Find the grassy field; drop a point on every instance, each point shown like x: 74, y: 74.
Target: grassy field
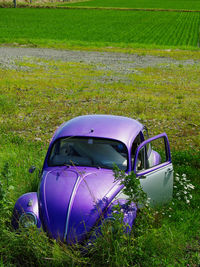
x: 39, y: 95
x: 169, y: 4
x: 186, y: 5
x: 64, y: 28
x: 74, y: 89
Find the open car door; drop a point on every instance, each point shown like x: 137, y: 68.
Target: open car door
x: 153, y: 167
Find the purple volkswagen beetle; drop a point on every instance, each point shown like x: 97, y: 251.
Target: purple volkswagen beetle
x: 78, y: 187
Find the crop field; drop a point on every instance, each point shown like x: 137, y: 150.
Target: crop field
x: 54, y: 28
x: 168, y: 4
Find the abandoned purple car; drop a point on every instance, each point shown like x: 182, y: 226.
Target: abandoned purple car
x: 78, y: 186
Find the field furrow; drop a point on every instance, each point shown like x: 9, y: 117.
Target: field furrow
x: 100, y: 27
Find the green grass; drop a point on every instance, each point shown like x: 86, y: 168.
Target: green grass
x: 39, y: 95
x: 168, y: 4
x: 62, y: 28
x: 29, y: 98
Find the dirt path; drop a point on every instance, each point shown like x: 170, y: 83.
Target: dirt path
x: 118, y: 62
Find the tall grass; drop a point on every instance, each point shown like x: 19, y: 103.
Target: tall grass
x: 162, y: 236
x: 37, y: 95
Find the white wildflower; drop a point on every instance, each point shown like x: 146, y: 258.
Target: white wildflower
x: 11, y: 187
x: 191, y: 186
x: 148, y: 200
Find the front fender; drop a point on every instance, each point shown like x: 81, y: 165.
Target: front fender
x: 27, y: 203
x: 129, y: 212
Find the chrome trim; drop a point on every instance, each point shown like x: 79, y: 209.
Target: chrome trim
x: 25, y: 215
x: 70, y: 206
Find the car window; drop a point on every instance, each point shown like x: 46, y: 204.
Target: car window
x: 104, y: 153
x: 142, y: 161
x: 136, y: 143
x: 157, y: 156
x: 145, y: 133
x: 146, y: 136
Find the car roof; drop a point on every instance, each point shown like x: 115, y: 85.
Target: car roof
x: 103, y: 126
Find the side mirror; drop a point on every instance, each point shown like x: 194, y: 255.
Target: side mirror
x: 32, y: 169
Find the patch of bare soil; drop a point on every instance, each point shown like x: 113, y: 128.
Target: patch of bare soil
x: 121, y: 63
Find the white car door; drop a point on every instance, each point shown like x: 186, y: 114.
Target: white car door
x: 154, y: 168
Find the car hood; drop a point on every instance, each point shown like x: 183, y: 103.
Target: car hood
x: 71, y: 200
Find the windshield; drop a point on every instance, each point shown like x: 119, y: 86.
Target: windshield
x: 93, y: 152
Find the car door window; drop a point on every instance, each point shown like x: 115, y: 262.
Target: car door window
x: 148, y: 158
x: 136, y: 143
x: 145, y: 133
x: 141, y: 163
x: 156, y: 170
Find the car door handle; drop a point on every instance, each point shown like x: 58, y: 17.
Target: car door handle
x: 168, y: 171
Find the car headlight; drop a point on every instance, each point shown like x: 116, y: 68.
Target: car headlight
x: 27, y: 219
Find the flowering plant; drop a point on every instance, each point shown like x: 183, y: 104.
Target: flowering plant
x: 183, y: 188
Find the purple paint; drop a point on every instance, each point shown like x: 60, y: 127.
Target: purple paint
x: 72, y: 200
